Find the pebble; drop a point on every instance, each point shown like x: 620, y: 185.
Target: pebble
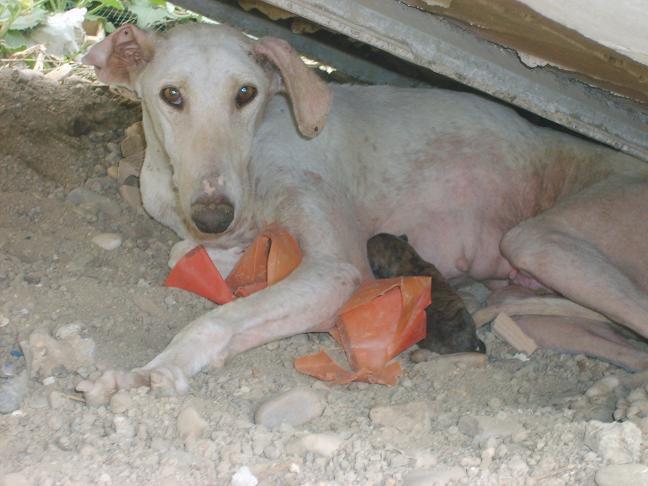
x: 120, y: 402
x: 411, y: 418
x: 123, y: 426
x: 437, y: 476
x: 190, y: 424
x: 108, y: 241
x: 294, y: 407
x: 12, y: 392
x: 616, y: 443
x: 82, y: 196
x: 622, y: 475
x: 482, y: 427
x: 68, y: 330
x: 56, y: 399
x: 244, y: 477
x: 323, y: 444
x: 132, y: 196
x: 14, y: 479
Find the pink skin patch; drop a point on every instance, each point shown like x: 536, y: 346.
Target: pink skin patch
x: 524, y: 280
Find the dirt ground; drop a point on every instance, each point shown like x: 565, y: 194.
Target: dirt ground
x: 518, y: 421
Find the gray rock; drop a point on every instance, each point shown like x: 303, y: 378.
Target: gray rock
x: 86, y: 198
x: 120, y: 402
x: 294, y: 407
x: 324, y: 444
x: 622, y: 475
x: 190, y: 424
x: 437, y: 476
x: 108, y: 241
x: 411, y: 418
x: 14, y: 479
x: 616, y: 443
x: 482, y: 427
x: 12, y: 392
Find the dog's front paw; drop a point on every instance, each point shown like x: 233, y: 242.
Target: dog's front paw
x: 167, y: 380
x: 163, y: 380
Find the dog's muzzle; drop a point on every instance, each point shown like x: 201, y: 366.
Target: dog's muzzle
x: 212, y: 214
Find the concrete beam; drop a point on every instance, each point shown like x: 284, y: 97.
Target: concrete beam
x: 443, y: 47
x: 228, y: 12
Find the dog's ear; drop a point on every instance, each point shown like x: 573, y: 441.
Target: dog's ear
x: 310, y: 96
x: 120, y: 56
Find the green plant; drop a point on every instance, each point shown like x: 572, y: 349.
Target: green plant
x: 18, y: 17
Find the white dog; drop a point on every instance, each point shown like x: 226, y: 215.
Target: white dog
x: 480, y: 191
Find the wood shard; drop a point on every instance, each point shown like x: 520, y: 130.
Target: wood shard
x: 508, y: 329
x: 541, y: 306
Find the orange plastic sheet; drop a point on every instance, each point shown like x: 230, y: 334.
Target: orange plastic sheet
x: 382, y: 319
x: 273, y: 255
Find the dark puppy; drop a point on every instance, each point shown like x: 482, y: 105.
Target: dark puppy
x: 450, y: 328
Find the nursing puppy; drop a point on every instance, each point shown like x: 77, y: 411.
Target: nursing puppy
x: 449, y: 326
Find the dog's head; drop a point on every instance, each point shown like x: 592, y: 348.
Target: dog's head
x: 204, y: 89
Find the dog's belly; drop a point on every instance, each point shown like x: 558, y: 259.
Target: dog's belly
x: 460, y: 245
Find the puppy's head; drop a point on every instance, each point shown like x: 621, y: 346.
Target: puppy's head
x: 204, y: 90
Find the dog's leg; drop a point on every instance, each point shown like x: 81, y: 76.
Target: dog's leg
x: 579, y: 335
x: 307, y: 299
x: 591, y: 248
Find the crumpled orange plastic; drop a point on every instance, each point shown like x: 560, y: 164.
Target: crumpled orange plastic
x: 273, y: 255
x: 381, y: 320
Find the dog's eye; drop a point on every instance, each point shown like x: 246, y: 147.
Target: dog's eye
x: 245, y: 95
x: 172, y: 96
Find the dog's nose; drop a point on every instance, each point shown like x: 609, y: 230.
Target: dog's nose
x: 212, y: 214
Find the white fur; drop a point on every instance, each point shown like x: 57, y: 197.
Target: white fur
x: 452, y: 170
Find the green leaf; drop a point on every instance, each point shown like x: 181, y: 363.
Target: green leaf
x: 116, y: 4
x: 30, y: 20
x: 148, y: 15
x: 14, y: 41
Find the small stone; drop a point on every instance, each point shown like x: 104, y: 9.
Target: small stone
x: 120, y: 402
x: 324, y: 444
x: 482, y: 427
x: 411, y: 418
x: 68, y: 330
x: 112, y: 171
x: 14, y: 479
x: 56, y: 399
x: 65, y: 443
x: 437, y: 476
x: 86, y: 198
x: 622, y: 475
x: 12, y: 392
x: 50, y: 380
x: 107, y: 241
x: 294, y: 407
x: 616, y: 443
x: 132, y: 196
x: 123, y: 426
x: 55, y: 422
x: 244, y: 477
x: 190, y: 424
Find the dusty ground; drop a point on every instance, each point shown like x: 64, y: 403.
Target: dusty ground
x: 516, y: 421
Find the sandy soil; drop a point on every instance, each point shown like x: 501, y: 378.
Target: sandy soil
x: 520, y: 420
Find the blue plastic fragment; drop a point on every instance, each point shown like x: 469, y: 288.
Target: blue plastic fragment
x: 16, y: 353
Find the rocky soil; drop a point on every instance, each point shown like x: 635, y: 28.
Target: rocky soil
x: 81, y: 274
